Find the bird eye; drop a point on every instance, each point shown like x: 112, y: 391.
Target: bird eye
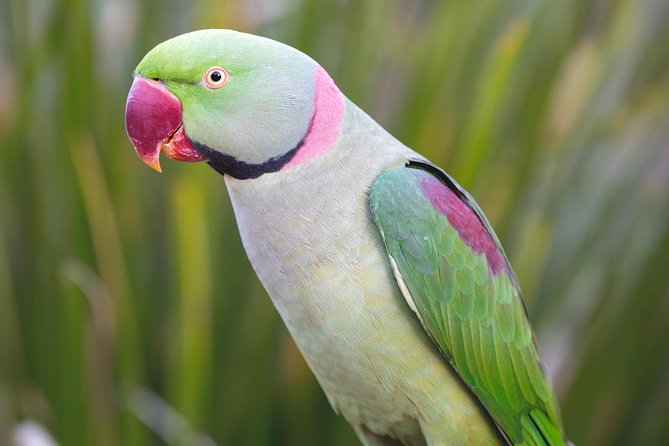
x: 215, y: 77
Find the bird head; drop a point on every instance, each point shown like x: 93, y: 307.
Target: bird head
x: 241, y: 102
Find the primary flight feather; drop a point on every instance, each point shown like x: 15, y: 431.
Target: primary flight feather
x: 385, y: 271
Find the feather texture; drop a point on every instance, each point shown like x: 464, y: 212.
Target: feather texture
x: 460, y: 284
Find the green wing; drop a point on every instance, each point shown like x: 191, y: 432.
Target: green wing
x: 454, y: 274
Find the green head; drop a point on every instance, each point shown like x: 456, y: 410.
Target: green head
x: 233, y: 99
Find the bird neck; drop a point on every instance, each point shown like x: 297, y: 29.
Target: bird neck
x: 326, y: 123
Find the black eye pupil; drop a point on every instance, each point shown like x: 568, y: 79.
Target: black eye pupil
x: 216, y: 76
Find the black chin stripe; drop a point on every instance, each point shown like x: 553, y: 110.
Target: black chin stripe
x: 229, y: 165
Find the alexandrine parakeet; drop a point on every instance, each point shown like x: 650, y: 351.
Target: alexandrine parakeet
x: 385, y: 271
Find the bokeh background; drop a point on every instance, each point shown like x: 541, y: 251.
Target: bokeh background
x: 129, y: 314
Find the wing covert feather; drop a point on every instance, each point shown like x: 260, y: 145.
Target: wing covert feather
x: 466, y: 296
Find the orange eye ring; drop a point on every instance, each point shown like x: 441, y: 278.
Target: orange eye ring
x: 215, y: 77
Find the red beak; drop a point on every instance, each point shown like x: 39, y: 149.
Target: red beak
x: 153, y: 124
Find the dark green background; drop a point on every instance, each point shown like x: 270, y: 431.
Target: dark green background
x: 126, y: 297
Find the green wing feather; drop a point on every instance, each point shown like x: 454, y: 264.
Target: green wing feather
x: 474, y: 315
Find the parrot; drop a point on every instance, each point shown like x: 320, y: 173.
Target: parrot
x: 385, y: 271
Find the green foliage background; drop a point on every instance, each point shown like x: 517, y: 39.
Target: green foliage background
x: 128, y: 311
